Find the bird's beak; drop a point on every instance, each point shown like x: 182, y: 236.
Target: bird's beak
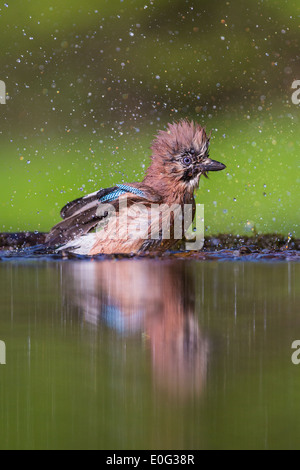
x: 212, y: 165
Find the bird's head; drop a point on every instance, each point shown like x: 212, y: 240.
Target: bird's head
x: 181, y: 153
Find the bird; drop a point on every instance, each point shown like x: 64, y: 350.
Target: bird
x: 127, y: 218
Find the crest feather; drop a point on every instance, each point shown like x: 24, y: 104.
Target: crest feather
x: 180, y: 137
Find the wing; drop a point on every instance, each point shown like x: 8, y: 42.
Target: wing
x: 85, y: 202
x: 81, y: 216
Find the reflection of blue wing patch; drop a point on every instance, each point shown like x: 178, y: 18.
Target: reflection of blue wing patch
x: 123, y: 189
x: 120, y: 321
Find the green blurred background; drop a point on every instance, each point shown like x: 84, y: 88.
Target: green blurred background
x: 89, y: 84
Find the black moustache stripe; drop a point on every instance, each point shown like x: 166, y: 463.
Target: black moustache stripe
x: 189, y: 175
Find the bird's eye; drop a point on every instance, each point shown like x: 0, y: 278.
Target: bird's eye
x: 187, y: 160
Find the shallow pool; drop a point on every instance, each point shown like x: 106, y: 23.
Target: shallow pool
x: 149, y: 354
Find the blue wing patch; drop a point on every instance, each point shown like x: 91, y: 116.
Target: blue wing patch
x: 123, y: 189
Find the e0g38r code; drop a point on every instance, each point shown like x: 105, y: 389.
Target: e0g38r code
x: 172, y: 459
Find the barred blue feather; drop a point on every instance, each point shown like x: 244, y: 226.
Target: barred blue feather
x: 123, y: 189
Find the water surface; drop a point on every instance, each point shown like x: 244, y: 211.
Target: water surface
x: 149, y: 354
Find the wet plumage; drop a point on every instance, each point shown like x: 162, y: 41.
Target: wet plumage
x: 119, y: 219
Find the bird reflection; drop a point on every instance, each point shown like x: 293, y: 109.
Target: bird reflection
x: 154, y: 299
